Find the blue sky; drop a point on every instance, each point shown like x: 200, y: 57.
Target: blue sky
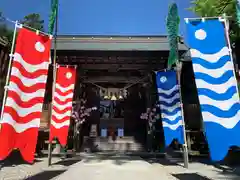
x: 101, y: 17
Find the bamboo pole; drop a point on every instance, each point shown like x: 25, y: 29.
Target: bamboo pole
x: 53, y: 85
x: 179, y: 71
x: 185, y: 148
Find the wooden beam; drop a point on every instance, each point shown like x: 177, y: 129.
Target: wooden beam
x: 111, y: 60
x: 120, y: 67
x: 111, y: 79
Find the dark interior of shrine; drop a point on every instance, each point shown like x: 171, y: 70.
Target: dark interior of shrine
x: 133, y: 70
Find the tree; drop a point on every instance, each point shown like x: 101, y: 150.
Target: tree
x: 211, y: 8
x: 34, y: 20
x: 5, y: 32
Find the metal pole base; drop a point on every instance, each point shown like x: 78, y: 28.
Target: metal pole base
x: 185, y: 156
x: 49, y: 154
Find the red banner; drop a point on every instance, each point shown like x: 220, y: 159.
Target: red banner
x: 22, y: 111
x: 62, y: 104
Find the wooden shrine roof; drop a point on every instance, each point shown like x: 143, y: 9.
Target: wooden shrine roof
x: 116, y: 60
x: 115, y: 43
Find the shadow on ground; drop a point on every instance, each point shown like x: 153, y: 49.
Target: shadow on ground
x: 117, y: 158
x: 190, y: 176
x: 46, y: 175
x: 195, y: 176
x: 225, y: 167
x: 15, y: 159
x: 50, y: 174
x: 68, y: 162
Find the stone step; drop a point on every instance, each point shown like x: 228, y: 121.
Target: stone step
x: 108, y: 144
x: 119, y: 147
x: 125, y: 139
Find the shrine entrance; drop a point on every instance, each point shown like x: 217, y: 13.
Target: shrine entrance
x: 116, y: 125
x: 116, y: 75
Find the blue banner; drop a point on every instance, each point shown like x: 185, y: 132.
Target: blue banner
x: 170, y: 106
x: 216, y: 85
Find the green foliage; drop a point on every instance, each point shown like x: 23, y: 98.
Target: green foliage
x: 204, y: 8
x: 173, y: 21
x: 52, y: 19
x: 33, y: 20
x: 5, y: 32
x: 211, y: 8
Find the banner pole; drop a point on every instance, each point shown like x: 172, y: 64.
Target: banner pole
x: 185, y: 148
x: 179, y: 71
x: 9, y: 70
x: 226, y: 24
x: 53, y: 85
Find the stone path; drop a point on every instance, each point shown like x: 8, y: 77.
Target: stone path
x: 26, y: 171
x: 117, y: 167
x: 125, y: 167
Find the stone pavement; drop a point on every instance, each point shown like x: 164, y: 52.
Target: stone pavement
x: 197, y: 170
x: 19, y: 170
x: 124, y: 167
x: 117, y: 167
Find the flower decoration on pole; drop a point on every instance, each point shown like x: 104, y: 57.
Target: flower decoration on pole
x: 151, y: 116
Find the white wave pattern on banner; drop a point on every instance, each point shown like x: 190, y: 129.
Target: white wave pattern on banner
x: 170, y: 106
x: 62, y: 103
x: 215, y: 74
x: 29, y: 67
x: 217, y: 80
x: 216, y: 85
x: 20, y: 127
x: 212, y: 58
x: 25, y: 95
x: 172, y: 126
x: 25, y: 88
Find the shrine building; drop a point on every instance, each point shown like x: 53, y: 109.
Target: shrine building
x: 116, y: 74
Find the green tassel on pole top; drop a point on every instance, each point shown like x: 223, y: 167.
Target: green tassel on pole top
x: 52, y: 19
x: 172, y: 24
